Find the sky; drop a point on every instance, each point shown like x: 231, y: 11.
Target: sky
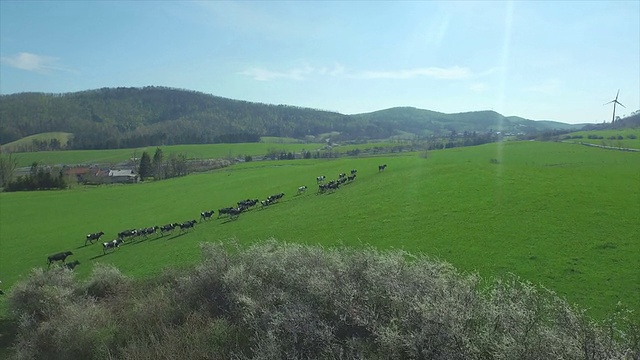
x: 541, y: 60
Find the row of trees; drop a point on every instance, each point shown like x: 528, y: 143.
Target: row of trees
x: 160, y: 168
x: 39, y: 178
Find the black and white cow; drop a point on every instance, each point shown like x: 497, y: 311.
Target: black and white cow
x: 148, y: 231
x: 93, y: 237
x: 113, y: 244
x: 351, y: 178
x: 206, y: 215
x: 354, y: 171
x: 302, y: 189
x: 275, y: 198
x: 320, y: 179
x: 382, y: 167
x: 61, y: 256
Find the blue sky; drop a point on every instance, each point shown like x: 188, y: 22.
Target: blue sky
x: 535, y: 59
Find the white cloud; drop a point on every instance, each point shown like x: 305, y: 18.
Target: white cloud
x: 261, y: 74
x: 298, y: 73
x: 31, y: 62
x: 451, y: 73
x: 303, y: 72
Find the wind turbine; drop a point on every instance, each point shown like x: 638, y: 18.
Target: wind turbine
x: 614, y: 101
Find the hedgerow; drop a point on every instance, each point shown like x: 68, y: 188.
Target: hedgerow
x: 279, y: 300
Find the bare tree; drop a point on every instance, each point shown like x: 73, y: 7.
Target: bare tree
x: 8, y: 165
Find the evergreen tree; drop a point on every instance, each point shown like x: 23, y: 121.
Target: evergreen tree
x: 145, y: 166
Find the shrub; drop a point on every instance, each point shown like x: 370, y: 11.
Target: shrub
x: 274, y: 300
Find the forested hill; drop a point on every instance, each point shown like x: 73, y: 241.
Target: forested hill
x: 132, y: 117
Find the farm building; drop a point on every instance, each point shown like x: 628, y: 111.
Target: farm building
x: 123, y: 176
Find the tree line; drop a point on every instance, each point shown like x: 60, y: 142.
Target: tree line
x: 39, y: 178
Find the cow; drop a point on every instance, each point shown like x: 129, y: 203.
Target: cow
x: 168, y: 228
x: 382, y: 167
x: 224, y: 211
x: 302, y: 189
x: 320, y: 179
x: 276, y: 197
x: 61, y: 256
x: 246, y: 204
x: 187, y: 225
x: 354, y: 171
x: 93, y: 237
x: 113, y: 244
x: 206, y: 215
x: 127, y: 233
x: 72, y: 265
x: 351, y: 178
x: 341, y: 175
x: 235, y: 213
x: 147, y: 231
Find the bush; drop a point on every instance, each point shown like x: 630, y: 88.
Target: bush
x: 275, y: 300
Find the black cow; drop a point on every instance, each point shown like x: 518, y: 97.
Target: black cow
x: 62, y: 256
x: 168, y: 228
x: 93, y: 237
x: 72, y: 265
x: 382, y: 167
x: 187, y: 225
x: 111, y: 245
x: 246, y: 204
x: 224, y: 211
x: 351, y: 178
x: 354, y: 171
x: 206, y: 215
x: 235, y: 213
x: 127, y: 233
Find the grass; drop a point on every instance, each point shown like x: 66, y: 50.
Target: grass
x: 200, y: 151
x: 13, y: 146
x: 561, y: 215
x: 608, y: 138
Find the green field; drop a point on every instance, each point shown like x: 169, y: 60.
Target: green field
x: 561, y: 215
x: 609, y: 138
x: 208, y: 151
x: 62, y: 137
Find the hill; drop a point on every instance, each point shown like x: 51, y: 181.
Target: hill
x: 111, y: 118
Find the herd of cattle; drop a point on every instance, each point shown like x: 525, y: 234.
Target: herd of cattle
x: 231, y: 212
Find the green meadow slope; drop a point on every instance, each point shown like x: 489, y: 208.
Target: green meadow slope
x: 561, y: 215
x: 208, y: 151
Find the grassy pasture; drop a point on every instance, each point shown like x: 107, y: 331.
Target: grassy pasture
x: 561, y: 215
x: 626, y: 142
x: 63, y: 137
x: 206, y: 151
